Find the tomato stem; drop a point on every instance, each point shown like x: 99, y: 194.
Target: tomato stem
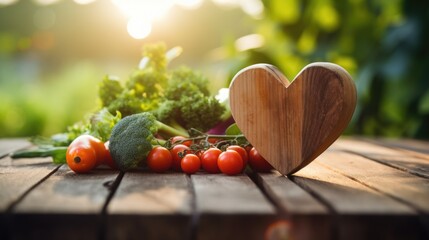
x: 225, y: 139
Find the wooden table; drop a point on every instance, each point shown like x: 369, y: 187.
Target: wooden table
x: 358, y: 189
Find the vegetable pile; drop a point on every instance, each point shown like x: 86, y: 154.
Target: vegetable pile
x: 157, y: 119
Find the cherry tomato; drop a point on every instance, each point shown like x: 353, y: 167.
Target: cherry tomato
x: 209, y: 160
x: 241, y: 151
x: 212, y: 140
x: 108, y: 160
x: 100, y: 149
x: 257, y: 162
x: 179, y: 148
x: 190, y: 163
x: 199, y: 153
x: 180, y: 138
x: 230, y: 162
x: 97, y: 145
x: 84, y: 153
x: 159, y: 159
x: 248, y: 148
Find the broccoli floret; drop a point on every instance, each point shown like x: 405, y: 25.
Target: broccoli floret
x: 200, y: 112
x: 187, y: 101
x: 185, y: 81
x: 126, y: 104
x: 143, y: 90
x: 133, y: 136
x: 156, y: 53
x: 109, y: 90
x: 167, y: 110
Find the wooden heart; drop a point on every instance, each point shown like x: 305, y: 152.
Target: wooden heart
x: 291, y: 123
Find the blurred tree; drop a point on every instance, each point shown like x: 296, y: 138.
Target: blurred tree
x: 383, y: 44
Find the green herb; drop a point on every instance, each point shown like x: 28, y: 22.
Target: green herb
x: 58, y: 154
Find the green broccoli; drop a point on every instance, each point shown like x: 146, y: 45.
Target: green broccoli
x: 143, y: 90
x: 133, y: 136
x: 187, y: 102
x: 109, y: 90
x: 200, y: 112
x: 186, y: 81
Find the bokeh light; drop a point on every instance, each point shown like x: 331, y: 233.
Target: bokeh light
x: 151, y: 10
x: 45, y: 2
x: 84, y: 2
x: 189, y: 4
x: 7, y: 2
x: 139, y: 28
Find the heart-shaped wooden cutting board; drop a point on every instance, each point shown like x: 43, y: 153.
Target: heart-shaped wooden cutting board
x: 291, y: 123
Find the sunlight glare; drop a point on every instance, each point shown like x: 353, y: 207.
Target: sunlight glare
x: 7, y: 2
x: 227, y: 3
x: 139, y: 28
x: 250, y: 41
x: 253, y: 8
x: 45, y: 2
x: 189, y: 4
x: 83, y: 2
x: 151, y: 10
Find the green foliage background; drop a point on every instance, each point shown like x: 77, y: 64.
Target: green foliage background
x: 383, y: 44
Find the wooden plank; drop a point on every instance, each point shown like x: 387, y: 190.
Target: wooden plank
x: 150, y: 206
x: 67, y: 192
x: 61, y: 204
x: 411, y: 147
x: 309, y: 218
x: 392, y: 157
x: 231, y: 207
x: 409, y: 144
x: 17, y: 176
x: 393, y: 182
x: 10, y: 145
x: 359, y: 212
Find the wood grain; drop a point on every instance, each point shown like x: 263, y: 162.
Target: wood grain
x: 403, y: 160
x: 292, y: 123
x: 412, y: 145
x: 359, y: 211
x: 69, y: 193
x: 354, y: 190
x: 309, y: 218
x: 412, y: 190
x: 150, y: 206
x: 231, y: 207
x: 64, y: 199
x: 17, y: 176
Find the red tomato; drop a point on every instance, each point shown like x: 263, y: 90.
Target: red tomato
x: 230, y: 162
x: 240, y: 151
x: 248, y: 148
x: 179, y: 148
x: 212, y: 140
x: 190, y: 163
x: 159, y: 159
x: 209, y: 160
x: 108, y: 160
x: 257, y: 162
x: 181, y: 138
x: 84, y: 153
